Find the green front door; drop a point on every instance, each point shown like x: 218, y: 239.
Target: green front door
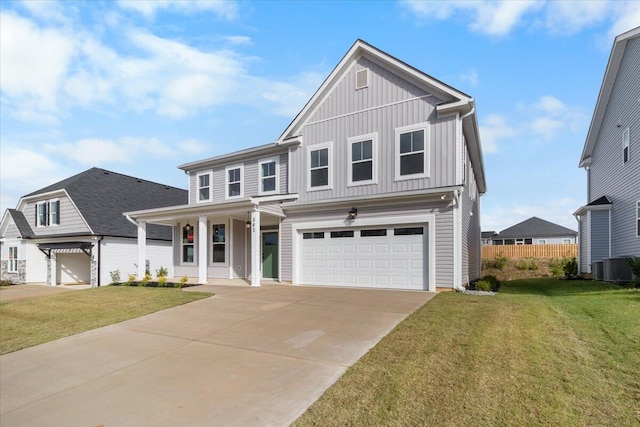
x: 270, y: 255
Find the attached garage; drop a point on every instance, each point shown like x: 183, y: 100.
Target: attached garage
x: 376, y: 256
x: 73, y: 268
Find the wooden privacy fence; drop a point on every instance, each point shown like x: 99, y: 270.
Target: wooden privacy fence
x: 530, y: 251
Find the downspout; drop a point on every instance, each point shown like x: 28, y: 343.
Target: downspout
x: 99, y: 258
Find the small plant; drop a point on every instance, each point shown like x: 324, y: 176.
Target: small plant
x: 6, y: 282
x: 555, y: 267
x: 162, y: 272
x: 162, y: 281
x: 115, y: 277
x: 527, y: 264
x: 483, y: 285
x: 634, y: 263
x: 493, y: 280
x: 183, y: 281
x: 570, y: 267
x: 132, y: 278
x: 145, y: 280
x: 498, y: 263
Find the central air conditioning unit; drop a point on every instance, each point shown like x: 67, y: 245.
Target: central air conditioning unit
x: 597, y: 270
x: 616, y: 269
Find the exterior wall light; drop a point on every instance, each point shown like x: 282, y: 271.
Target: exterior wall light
x: 353, y: 213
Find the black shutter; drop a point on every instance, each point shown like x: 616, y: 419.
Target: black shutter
x: 35, y: 224
x: 57, y: 202
x: 46, y: 213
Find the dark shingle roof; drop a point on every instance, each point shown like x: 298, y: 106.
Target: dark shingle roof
x: 102, y: 196
x: 487, y: 234
x: 21, y: 223
x: 535, y: 227
x: 604, y: 200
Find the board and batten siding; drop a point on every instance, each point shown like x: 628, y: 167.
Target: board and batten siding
x: 36, y: 264
x: 441, y: 154
x: 239, y: 250
x: 443, y: 228
x: 609, y: 176
x: 122, y: 254
x: 70, y: 219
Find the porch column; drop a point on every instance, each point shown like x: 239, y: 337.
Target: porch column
x: 202, y: 250
x: 256, y: 262
x: 142, y: 249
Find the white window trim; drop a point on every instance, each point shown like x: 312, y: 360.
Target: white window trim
x: 406, y: 129
x: 38, y: 222
x: 316, y: 147
x: 195, y: 244
x: 637, y: 219
x: 625, y: 144
x: 226, y: 181
x: 198, y: 175
x: 374, y: 157
x: 13, y: 262
x: 277, y: 176
x: 51, y: 223
x: 566, y: 241
x: 213, y: 223
x: 542, y: 241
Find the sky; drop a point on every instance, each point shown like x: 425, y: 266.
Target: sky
x: 140, y: 87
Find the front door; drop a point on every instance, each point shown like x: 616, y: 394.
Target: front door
x: 270, y: 255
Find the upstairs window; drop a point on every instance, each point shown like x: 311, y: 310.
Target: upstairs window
x: 411, y: 152
x: 204, y: 187
x: 362, y: 159
x: 625, y: 145
x: 319, y: 167
x: 219, y: 243
x: 234, y: 182
x: 13, y: 259
x: 48, y: 213
x: 268, y: 176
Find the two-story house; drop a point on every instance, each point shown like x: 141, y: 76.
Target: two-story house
x: 73, y: 231
x: 609, y: 224
x: 375, y: 183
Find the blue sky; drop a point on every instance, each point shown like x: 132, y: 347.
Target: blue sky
x: 139, y: 87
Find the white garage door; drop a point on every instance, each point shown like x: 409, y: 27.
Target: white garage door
x: 372, y: 257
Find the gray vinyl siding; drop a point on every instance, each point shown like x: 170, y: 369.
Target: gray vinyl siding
x: 70, y: 219
x: 443, y: 229
x: 238, y: 257
x: 599, y: 235
x: 250, y: 179
x: 384, y: 121
x: 286, y: 252
x: 12, y: 231
x: 584, y: 244
x: 609, y: 176
x: 471, y: 234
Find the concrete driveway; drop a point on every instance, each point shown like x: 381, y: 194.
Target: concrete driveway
x: 11, y: 293
x: 245, y: 357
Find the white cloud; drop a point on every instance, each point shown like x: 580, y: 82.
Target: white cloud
x: 227, y: 9
x: 627, y: 17
x: 569, y: 17
x: 470, y: 77
x: 550, y: 117
x: 494, y: 128
x: 558, y: 211
x: 95, y: 151
x: 238, y: 40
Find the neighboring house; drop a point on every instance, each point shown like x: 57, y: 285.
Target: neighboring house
x: 486, y: 237
x: 74, y: 232
x: 609, y: 223
x: 375, y: 183
x: 535, y: 231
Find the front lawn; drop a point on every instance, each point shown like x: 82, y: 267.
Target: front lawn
x: 28, y: 322
x: 541, y: 352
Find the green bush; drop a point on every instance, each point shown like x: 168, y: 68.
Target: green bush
x: 115, y: 277
x: 570, y: 267
x: 483, y: 285
x: 527, y: 264
x: 6, y: 282
x: 145, y: 280
x: 498, y: 263
x: 556, y: 267
x: 183, y: 281
x: 493, y: 280
x: 162, y: 272
x: 162, y: 281
x: 634, y: 263
x: 132, y: 278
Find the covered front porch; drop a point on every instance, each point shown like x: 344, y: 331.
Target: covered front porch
x: 218, y: 241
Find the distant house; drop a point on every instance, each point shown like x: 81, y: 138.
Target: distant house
x: 535, y: 231
x: 375, y: 183
x: 73, y: 231
x: 609, y: 223
x: 486, y: 237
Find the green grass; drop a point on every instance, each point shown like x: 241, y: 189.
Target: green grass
x: 28, y: 322
x: 541, y: 352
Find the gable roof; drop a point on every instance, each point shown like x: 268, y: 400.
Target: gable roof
x: 615, y: 58
x: 20, y: 222
x: 535, y: 227
x: 455, y: 100
x: 102, y: 196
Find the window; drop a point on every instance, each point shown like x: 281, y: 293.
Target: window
x: 219, y: 243
x: 339, y: 234
x: 373, y: 233
x: 363, y: 167
x: 509, y: 241
x: 319, y: 166
x: 204, y: 187
x: 542, y: 241
x: 315, y: 235
x: 528, y: 241
x: 625, y: 145
x: 13, y: 259
x: 519, y: 241
x: 637, y: 219
x: 407, y: 231
x: 411, y: 152
x: 48, y: 213
x: 234, y: 182
x: 566, y: 241
x: 268, y: 176
x: 188, y: 247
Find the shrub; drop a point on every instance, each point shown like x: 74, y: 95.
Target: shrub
x: 570, y: 267
x: 115, y: 277
x: 183, y: 281
x: 6, y: 282
x: 145, y: 279
x: 162, y: 272
x: 556, y: 268
x: 132, y: 278
x: 498, y: 263
x: 493, y: 280
x: 162, y: 281
x: 483, y: 285
x: 527, y: 264
x: 634, y: 263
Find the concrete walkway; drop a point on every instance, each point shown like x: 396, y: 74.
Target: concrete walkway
x: 245, y: 357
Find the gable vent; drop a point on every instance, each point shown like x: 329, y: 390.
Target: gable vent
x: 362, y: 79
